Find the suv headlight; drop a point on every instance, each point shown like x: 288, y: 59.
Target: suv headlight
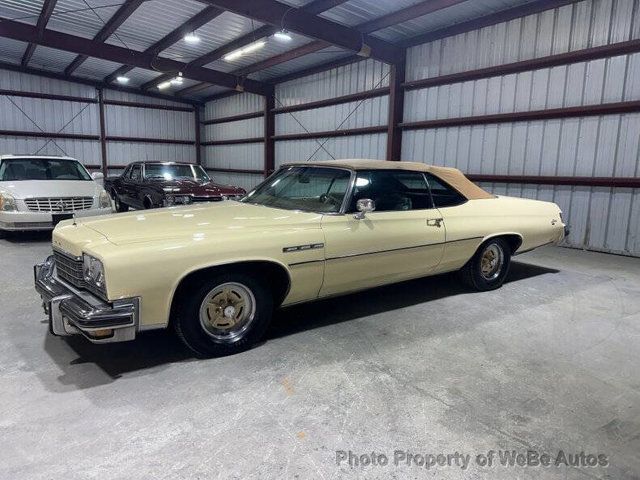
x: 7, y: 203
x: 104, y: 200
x: 93, y: 271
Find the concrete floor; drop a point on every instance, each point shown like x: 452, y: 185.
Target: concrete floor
x: 549, y: 362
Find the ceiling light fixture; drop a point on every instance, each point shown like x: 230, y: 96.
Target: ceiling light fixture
x: 191, y: 38
x: 163, y: 85
x: 122, y: 79
x: 243, y: 51
x: 282, y: 36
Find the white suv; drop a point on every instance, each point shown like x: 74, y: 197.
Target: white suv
x: 36, y: 192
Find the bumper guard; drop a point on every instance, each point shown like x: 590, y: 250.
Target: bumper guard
x: 77, y: 312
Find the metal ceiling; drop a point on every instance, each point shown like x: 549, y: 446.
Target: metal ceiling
x: 154, y: 20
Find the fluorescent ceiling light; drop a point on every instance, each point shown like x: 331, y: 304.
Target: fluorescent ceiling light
x: 176, y: 81
x: 163, y: 85
x: 282, y: 36
x: 122, y: 79
x: 243, y: 51
x: 191, y: 38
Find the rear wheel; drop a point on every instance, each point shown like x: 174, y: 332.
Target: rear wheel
x: 489, y: 266
x: 120, y: 207
x: 225, y: 314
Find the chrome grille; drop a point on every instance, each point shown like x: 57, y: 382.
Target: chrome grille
x: 70, y: 270
x: 59, y: 204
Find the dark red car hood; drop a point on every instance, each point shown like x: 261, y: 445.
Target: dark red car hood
x: 198, y: 189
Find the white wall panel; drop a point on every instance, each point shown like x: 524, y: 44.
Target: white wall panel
x: 250, y: 128
x: 123, y: 153
x: 365, y: 113
x: 86, y: 151
x: 606, y: 146
x: 353, y: 78
x: 359, y: 146
x: 234, y: 105
x: 245, y: 156
x: 584, y: 24
x: 244, y: 180
x: 149, y: 123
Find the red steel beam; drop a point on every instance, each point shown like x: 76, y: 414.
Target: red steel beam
x: 38, y: 134
x: 45, y: 14
x: 587, y: 54
x: 234, y: 141
x: 332, y: 133
x: 546, y: 114
x: 195, y: 22
x: 352, y: 97
x: 47, y: 96
x: 269, y: 132
x: 396, y: 111
x: 93, y: 48
x: 233, y: 118
x: 116, y: 20
x: 612, y: 182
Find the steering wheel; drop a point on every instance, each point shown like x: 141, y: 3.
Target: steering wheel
x: 324, y: 198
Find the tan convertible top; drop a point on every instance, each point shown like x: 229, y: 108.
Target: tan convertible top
x: 452, y: 176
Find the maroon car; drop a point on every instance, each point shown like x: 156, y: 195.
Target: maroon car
x: 163, y: 184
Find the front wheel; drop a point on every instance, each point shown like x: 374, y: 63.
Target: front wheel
x: 120, y: 207
x: 489, y: 266
x: 226, y: 314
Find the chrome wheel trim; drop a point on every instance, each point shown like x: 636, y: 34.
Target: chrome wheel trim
x: 227, y: 311
x: 491, y: 261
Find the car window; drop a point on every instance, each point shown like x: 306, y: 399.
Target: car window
x: 392, y: 190
x: 313, y: 189
x: 135, y: 174
x: 15, y: 169
x: 443, y: 195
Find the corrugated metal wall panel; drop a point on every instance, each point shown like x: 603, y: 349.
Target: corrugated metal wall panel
x: 123, y: 153
x: 251, y: 128
x: 344, y: 80
x: 234, y: 105
x: 366, y: 113
x: 601, y: 218
x: 245, y: 156
x: 31, y: 83
x: 48, y: 115
x: 149, y: 123
x: 359, y: 146
x: 244, y: 180
x: 86, y: 151
x: 580, y: 25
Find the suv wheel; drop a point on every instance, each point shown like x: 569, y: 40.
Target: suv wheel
x: 120, y: 207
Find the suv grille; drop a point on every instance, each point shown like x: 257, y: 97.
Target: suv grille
x: 60, y: 204
x: 70, y: 270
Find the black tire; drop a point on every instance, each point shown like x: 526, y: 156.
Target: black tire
x: 120, y: 207
x: 147, y: 203
x: 472, y: 273
x: 191, y: 328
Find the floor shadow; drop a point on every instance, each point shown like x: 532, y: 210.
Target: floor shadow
x: 383, y: 299
x: 27, y: 237
x: 159, y: 348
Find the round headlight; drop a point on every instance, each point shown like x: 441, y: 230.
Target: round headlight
x: 7, y: 203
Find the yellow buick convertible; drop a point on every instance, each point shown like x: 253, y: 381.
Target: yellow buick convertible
x: 216, y: 272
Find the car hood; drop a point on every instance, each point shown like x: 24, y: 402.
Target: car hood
x: 195, y: 222
x: 50, y: 188
x: 192, y: 187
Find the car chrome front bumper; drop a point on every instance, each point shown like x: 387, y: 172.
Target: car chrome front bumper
x: 27, y: 220
x: 74, y: 312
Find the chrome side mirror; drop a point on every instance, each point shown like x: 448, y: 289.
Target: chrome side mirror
x: 364, y: 206
x: 97, y: 176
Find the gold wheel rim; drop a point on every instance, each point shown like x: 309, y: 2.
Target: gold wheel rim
x: 227, y: 311
x: 491, y: 262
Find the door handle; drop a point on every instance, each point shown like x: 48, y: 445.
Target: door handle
x: 435, y: 222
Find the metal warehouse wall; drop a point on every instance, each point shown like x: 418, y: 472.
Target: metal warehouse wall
x: 239, y: 156
x: 602, y: 218
x: 22, y: 114
x: 136, y: 127
x: 345, y: 80
x: 174, y: 128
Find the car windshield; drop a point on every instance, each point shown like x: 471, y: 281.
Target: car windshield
x: 312, y: 189
x: 159, y: 171
x: 15, y: 169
